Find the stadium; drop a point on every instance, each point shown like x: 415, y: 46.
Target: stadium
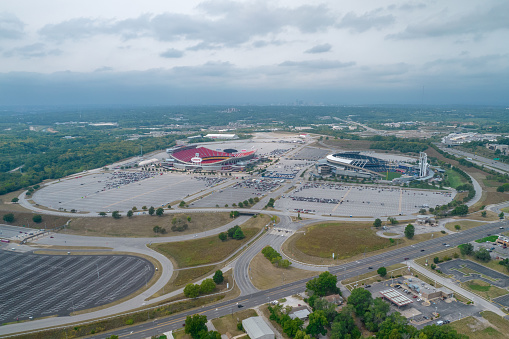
x: 193, y: 157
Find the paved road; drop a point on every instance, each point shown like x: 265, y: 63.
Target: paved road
x: 477, y: 159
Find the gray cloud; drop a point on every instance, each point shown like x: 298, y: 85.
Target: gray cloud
x: 316, y: 64
x: 37, y: 50
x: 478, y: 22
x: 319, y: 49
x: 104, y: 69
x: 10, y: 26
x: 232, y: 24
x: 369, y: 20
x: 412, y: 6
x: 172, y: 53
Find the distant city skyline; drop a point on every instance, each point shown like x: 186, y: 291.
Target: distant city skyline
x: 254, y: 52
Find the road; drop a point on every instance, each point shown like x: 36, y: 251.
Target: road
x: 477, y: 159
x: 348, y: 270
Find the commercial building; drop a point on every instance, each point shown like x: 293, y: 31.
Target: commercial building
x: 256, y: 328
x: 222, y: 136
x: 504, y: 241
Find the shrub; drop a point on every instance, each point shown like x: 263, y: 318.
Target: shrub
x: 37, y: 218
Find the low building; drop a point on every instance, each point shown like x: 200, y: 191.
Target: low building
x: 504, y: 241
x: 426, y: 220
x: 301, y: 312
x: 221, y: 136
x: 257, y: 328
x: 335, y: 299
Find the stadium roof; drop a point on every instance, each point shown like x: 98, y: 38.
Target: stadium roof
x: 396, y: 297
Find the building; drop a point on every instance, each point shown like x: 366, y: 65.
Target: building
x: 301, y: 312
x: 357, y: 162
x: 504, y: 241
x: 221, y: 136
x: 256, y: 328
x: 335, y: 299
x: 193, y: 157
x: 504, y: 149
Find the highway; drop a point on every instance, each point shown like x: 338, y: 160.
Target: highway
x: 477, y: 159
x: 345, y: 271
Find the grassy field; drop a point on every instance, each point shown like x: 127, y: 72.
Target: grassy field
x: 372, y: 277
x: 465, y: 224
x: 477, y: 328
x: 24, y: 219
x: 210, y: 249
x: 455, y: 179
x: 347, y: 240
x: 392, y: 175
x: 142, y: 226
x: 491, y: 238
x: 484, y: 289
x: 228, y: 323
x: 265, y: 275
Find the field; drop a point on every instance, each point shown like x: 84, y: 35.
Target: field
x: 265, y: 275
x: 455, y: 179
x: 228, y: 323
x: 356, y: 145
x: 24, y: 219
x: 484, y: 289
x: 490, y: 325
x: 346, y: 240
x: 491, y: 238
x: 142, y: 226
x: 392, y: 175
x: 371, y: 277
x: 465, y: 224
x: 210, y: 249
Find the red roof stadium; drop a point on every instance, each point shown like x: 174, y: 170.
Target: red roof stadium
x: 203, y: 156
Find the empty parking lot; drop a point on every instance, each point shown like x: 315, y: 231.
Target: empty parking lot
x: 45, y: 285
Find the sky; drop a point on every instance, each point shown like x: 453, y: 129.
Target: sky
x: 254, y: 52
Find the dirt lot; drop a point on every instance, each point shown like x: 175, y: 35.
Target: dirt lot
x: 490, y: 325
x: 228, y: 323
x: 142, y: 226
x: 265, y: 275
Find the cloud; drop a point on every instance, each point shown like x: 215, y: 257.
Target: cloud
x: 477, y: 22
x: 172, y: 53
x: 412, y: 6
x: 37, y: 50
x: 223, y: 23
x: 369, y: 20
x: 10, y: 26
x: 316, y: 64
x: 104, y: 69
x: 319, y: 49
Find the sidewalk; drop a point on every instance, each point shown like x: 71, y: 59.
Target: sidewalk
x: 452, y: 286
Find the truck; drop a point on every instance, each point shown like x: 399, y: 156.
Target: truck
x: 440, y: 322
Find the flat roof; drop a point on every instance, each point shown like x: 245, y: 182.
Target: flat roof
x: 256, y: 327
x: 396, y: 297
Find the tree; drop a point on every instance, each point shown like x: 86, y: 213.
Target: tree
x: 231, y: 231
x: 160, y: 211
x: 328, y: 308
x: 270, y: 203
x: 207, y: 286
x: 14, y: 200
x: 482, y: 254
x: 422, y: 211
x: 188, y: 218
x: 457, y: 227
x: 483, y: 214
x: 301, y: 335
x: 392, y: 220
x: 195, y: 324
x: 218, y: 277
x: 151, y: 210
x: 134, y: 208
x: 360, y: 299
x: 37, y: 218
x: 238, y: 234
x: 192, y: 290
x: 344, y: 325
x: 102, y: 214
x: 182, y: 204
x: 376, y: 314
x: 223, y: 236
x: 460, y: 210
x: 144, y: 208
x: 285, y: 263
x: 409, y: 231
x: 241, y: 204
x: 116, y: 215
x: 382, y: 271
x: 466, y: 249
x: 325, y: 284
x: 9, y: 217
x: 377, y: 222
x: 501, y: 215
x: 396, y: 326
x: 156, y: 229
x: 317, y: 323
x: 130, y: 213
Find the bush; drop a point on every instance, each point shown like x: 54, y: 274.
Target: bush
x: 37, y: 218
x: 9, y: 217
x: 129, y: 321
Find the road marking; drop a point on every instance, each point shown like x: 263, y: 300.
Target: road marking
x: 400, y: 199
x: 342, y: 199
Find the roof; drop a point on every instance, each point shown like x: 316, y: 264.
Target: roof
x: 206, y: 155
x: 300, y: 312
x: 256, y: 327
x: 396, y: 297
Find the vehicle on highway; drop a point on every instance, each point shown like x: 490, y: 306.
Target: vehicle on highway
x: 422, y: 250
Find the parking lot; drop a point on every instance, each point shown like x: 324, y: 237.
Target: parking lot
x: 418, y: 310
x: 454, y: 266
x: 360, y: 200
x: 45, y: 285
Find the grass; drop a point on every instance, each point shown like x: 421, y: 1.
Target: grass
x: 389, y: 234
x: 142, y: 225
x: 265, y: 275
x: 484, y: 289
x: 491, y: 238
x: 208, y: 250
x: 455, y: 179
x: 476, y: 329
x: 465, y: 224
x: 372, y: 277
x: 228, y: 323
x: 392, y: 175
x: 347, y: 240
x: 24, y: 219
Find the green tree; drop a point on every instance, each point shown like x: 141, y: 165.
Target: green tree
x: 376, y: 314
x: 409, y: 231
x: 328, y: 308
x: 483, y: 214
x: 37, y: 218
x: 238, y: 234
x: 241, y: 204
x: 344, y: 326
x: 457, y: 227
x: 361, y: 300
x: 182, y: 204
x: 223, y: 236
x: 460, y: 210
x: 209, y: 335
x: 482, y: 254
x: 284, y: 263
x: 317, y: 323
x: 195, y: 324
x: 151, y: 210
x: 377, y: 222
x: 192, y: 290
x: 156, y: 229
x: 382, y: 271
x: 325, y: 284
x: 188, y: 218
x: 218, y: 277
x: 9, y: 217
x: 466, y: 249
x: 501, y: 215
x: 207, y: 286
x: 160, y: 211
x: 144, y: 208
x: 444, y: 331
x: 396, y: 326
x: 134, y: 208
x: 102, y: 214
x: 270, y: 203
x: 14, y: 200
x: 130, y: 213
x: 116, y: 215
x: 301, y: 335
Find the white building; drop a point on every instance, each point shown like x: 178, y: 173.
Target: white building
x: 256, y: 328
x: 222, y: 136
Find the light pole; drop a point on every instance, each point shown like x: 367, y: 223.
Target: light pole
x: 97, y: 266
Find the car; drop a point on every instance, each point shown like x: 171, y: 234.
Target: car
x: 415, y: 296
x: 419, y: 299
x: 501, y: 227
x: 489, y: 234
x: 407, y: 259
x: 51, y: 237
x: 240, y: 305
x: 447, y: 245
x: 422, y: 250
x: 367, y: 286
x: 370, y: 268
x: 425, y: 317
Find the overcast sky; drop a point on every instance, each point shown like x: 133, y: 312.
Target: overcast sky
x: 262, y: 52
